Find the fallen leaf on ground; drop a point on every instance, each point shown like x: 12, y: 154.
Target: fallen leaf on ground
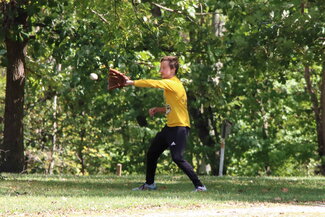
x: 285, y: 190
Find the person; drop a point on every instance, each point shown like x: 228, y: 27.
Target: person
x: 175, y: 133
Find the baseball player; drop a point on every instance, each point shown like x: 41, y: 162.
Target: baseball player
x: 175, y: 133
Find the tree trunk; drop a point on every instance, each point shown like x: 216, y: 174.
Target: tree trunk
x: 12, y: 149
x: 54, y: 147
x: 201, y: 122
x: 319, y: 113
x: 264, y: 152
x: 321, y: 130
x: 80, y: 153
x: 54, y: 142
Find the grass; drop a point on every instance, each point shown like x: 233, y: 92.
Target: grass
x: 111, y: 195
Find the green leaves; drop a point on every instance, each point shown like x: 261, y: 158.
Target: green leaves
x: 250, y: 74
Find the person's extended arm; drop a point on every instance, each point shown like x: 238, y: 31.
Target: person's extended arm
x: 164, y: 83
x: 155, y: 110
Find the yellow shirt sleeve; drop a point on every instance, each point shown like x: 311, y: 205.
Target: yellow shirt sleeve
x: 166, y: 84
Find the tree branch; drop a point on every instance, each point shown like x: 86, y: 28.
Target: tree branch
x: 144, y: 63
x: 167, y: 9
x: 100, y: 16
x: 181, y: 12
x: 172, y: 10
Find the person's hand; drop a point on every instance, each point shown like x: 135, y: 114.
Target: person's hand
x: 152, y: 111
x: 129, y: 82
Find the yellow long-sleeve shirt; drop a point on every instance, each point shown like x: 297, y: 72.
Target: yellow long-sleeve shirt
x: 175, y: 99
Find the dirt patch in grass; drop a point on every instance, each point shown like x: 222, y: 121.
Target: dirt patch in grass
x: 226, y: 209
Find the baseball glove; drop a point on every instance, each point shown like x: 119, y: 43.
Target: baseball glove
x: 116, y: 79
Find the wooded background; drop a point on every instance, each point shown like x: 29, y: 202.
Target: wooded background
x: 259, y: 64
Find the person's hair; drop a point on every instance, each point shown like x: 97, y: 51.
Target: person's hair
x: 173, y: 62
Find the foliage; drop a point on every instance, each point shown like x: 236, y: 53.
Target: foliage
x: 240, y: 60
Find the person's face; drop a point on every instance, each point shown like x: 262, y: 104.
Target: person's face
x: 165, y: 70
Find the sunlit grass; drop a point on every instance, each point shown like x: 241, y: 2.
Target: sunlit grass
x: 35, y: 194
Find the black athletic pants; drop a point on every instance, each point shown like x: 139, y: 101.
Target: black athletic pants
x: 173, y: 138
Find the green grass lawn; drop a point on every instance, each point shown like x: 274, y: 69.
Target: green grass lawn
x: 111, y: 195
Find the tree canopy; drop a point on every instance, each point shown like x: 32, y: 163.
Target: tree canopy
x: 259, y: 64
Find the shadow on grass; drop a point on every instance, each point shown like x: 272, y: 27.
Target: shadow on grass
x: 245, y: 189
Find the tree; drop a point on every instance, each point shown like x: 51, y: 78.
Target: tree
x: 254, y: 74
x: 277, y: 39
x: 20, y: 23
x: 14, y: 25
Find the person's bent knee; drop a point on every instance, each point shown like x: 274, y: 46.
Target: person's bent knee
x: 177, y: 159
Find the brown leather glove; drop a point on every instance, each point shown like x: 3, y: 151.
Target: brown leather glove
x: 116, y: 79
